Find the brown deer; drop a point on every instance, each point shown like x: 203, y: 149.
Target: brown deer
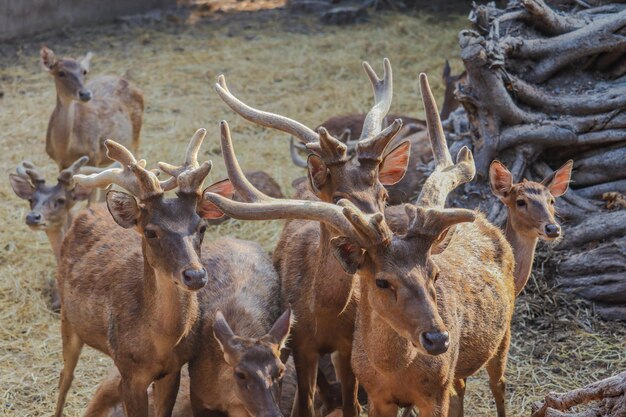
x: 50, y: 205
x: 347, y: 126
x: 319, y: 290
x: 131, y: 291
x: 88, y: 113
x: 425, y: 321
x: 530, y: 206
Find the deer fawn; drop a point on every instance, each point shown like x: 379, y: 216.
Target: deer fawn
x: 530, y: 206
x: 86, y: 114
x: 131, y: 291
x: 319, y: 290
x: 425, y: 321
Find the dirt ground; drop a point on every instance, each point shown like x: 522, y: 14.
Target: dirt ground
x: 286, y: 64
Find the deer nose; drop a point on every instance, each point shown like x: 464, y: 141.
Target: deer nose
x: 194, y: 278
x: 33, y: 218
x: 553, y: 230
x: 435, y: 343
x: 84, y: 95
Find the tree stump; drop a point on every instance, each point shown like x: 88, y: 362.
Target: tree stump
x: 546, y: 82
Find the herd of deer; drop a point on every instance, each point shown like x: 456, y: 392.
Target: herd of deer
x: 408, y: 298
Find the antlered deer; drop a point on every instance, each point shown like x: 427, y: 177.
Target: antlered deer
x: 50, y: 205
x: 88, y: 113
x: 319, y: 290
x: 131, y: 291
x: 425, y: 321
x: 346, y: 127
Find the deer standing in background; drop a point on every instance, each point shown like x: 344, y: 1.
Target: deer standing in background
x: 425, y: 321
x: 313, y: 282
x: 346, y: 127
x: 131, y: 291
x: 530, y: 206
x: 88, y: 113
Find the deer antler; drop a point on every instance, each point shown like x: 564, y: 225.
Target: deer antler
x: 66, y: 175
x: 428, y: 224
x: 331, y: 150
x: 190, y: 175
x: 259, y: 206
x: 133, y: 176
x: 372, y: 149
x: 447, y: 176
x: 383, y: 93
x: 29, y: 171
x: 275, y: 121
x: 295, y: 157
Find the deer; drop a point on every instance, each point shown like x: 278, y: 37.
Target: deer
x: 130, y: 272
x: 313, y: 283
x: 87, y: 113
x: 425, y: 321
x: 531, y: 210
x: 345, y: 127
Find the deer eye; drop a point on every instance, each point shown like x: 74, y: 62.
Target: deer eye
x: 60, y: 201
x: 84, y: 72
x: 150, y: 234
x: 552, y: 201
x: 382, y: 284
x: 520, y: 203
x: 336, y: 199
x: 240, y: 375
x: 61, y: 74
x: 202, y: 229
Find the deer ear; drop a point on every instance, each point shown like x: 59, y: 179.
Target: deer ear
x: 85, y: 61
x: 22, y: 187
x: 500, y: 179
x: 348, y: 253
x: 446, y: 71
x: 558, y: 182
x: 124, y: 208
x: 48, y: 59
x: 280, y: 330
x: 395, y: 164
x: 81, y: 193
x: 224, y: 336
x: 317, y: 172
x: 208, y: 210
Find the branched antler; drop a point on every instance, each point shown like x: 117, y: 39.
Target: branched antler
x: 29, y: 171
x: 383, y: 93
x: 133, y: 176
x: 66, y: 175
x: 190, y: 175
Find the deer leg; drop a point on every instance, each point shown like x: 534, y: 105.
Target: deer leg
x: 380, y: 408
x: 456, y: 401
x: 165, y: 392
x: 438, y: 406
x: 306, y: 372
x: 133, y: 389
x: 72, y: 346
x: 349, y: 384
x: 495, y: 369
x: 106, y: 398
x: 330, y: 395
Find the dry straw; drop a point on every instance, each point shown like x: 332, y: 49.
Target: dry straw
x: 280, y: 63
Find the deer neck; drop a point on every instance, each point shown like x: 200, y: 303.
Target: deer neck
x: 63, y: 126
x: 333, y: 288
x: 171, y: 310
x: 55, y: 237
x: 524, y: 252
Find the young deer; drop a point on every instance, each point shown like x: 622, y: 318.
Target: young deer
x: 86, y: 114
x: 313, y: 283
x: 131, y: 291
x: 424, y: 321
x: 530, y: 206
x: 50, y: 205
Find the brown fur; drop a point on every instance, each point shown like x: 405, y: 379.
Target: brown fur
x: 79, y: 127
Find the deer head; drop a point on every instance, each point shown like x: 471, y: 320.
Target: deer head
x: 450, y: 102
x: 69, y: 74
x: 50, y: 205
x: 258, y: 364
x: 332, y: 175
x: 172, y: 229
x: 531, y: 204
x: 397, y: 272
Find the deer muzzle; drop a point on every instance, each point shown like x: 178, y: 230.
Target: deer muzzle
x: 194, y: 278
x: 435, y: 343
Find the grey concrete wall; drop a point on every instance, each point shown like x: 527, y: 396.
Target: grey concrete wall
x: 28, y: 17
